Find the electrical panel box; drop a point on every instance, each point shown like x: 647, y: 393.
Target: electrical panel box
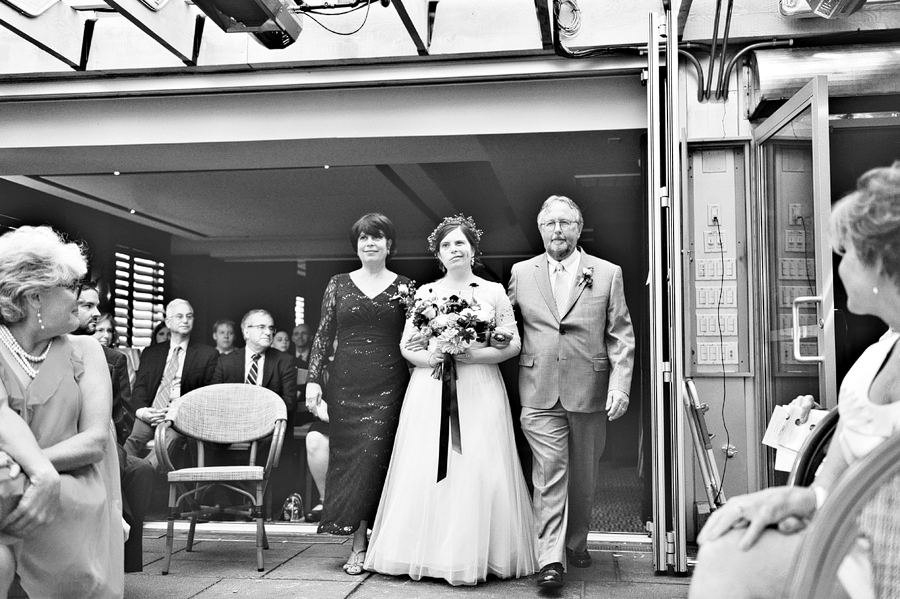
x: 717, y: 322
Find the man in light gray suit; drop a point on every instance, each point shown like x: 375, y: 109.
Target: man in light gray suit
x: 574, y: 373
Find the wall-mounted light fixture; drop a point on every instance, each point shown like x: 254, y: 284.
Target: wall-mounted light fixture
x: 835, y: 9
x: 272, y: 22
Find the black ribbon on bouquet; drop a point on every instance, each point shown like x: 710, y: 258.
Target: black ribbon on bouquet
x: 446, y: 372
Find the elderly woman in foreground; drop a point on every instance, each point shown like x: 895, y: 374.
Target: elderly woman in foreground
x: 740, y: 555
x: 55, y: 403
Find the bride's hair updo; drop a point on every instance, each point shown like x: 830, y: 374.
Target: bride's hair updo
x: 466, y: 224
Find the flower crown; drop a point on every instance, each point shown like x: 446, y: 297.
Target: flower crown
x: 459, y: 220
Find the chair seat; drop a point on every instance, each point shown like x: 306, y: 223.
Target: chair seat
x: 216, y: 473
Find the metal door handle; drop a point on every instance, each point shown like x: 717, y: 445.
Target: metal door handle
x: 795, y: 327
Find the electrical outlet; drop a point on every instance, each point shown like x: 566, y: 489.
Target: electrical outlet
x: 794, y: 216
x: 714, y: 241
x: 713, y: 215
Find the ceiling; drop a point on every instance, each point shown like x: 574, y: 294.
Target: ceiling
x: 244, y: 202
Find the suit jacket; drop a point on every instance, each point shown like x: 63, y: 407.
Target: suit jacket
x: 575, y: 357
x: 279, y: 373
x: 197, y: 371
x: 122, y: 410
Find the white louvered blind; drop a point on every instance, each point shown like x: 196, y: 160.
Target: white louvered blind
x: 299, y: 310
x: 140, y: 285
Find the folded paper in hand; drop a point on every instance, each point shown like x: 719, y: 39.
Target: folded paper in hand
x: 786, y: 435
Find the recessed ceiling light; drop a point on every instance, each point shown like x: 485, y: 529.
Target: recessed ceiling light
x: 116, y: 173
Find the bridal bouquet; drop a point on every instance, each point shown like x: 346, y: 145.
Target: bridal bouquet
x: 455, y: 323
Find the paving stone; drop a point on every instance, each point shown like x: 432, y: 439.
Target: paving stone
x: 327, y: 550
x: 600, y: 590
x: 295, y: 589
x: 403, y: 587
x: 638, y: 567
x: 157, y: 587
x: 315, y: 568
x: 238, y: 550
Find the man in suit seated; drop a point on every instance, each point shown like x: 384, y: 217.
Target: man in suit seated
x: 259, y: 363
x: 135, y: 474
x: 168, y: 371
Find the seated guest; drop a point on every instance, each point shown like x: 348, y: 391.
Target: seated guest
x: 168, y: 371
x: 747, y: 546
x: 317, y: 448
x: 281, y: 341
x: 259, y: 363
x: 318, y: 444
x: 105, y: 329
x: 89, y: 317
x: 300, y: 344
x: 301, y: 341
x: 55, y: 398
x: 161, y: 333
x: 223, y: 335
x: 135, y: 474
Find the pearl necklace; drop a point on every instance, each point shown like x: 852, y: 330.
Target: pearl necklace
x: 24, y: 359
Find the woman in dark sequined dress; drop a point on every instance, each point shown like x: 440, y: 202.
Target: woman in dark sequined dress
x: 363, y: 311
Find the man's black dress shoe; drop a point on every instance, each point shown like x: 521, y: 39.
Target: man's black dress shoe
x: 551, y: 576
x: 579, y: 559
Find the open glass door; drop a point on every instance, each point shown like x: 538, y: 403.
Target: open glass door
x: 797, y: 302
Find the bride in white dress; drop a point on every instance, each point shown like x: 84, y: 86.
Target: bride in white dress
x: 477, y: 520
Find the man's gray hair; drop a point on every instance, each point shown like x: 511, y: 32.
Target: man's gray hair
x: 567, y: 201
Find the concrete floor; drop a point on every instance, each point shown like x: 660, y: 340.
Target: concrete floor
x: 302, y: 565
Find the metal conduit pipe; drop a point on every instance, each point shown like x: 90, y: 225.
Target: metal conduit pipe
x: 723, y: 93
x: 724, y: 51
x: 712, y: 52
x: 699, y: 69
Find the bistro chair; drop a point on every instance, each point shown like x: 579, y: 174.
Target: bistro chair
x: 228, y: 415
x: 865, y: 504
x: 812, y: 452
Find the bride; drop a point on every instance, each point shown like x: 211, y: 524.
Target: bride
x: 461, y: 512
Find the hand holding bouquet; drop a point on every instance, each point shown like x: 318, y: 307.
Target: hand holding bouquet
x: 455, y: 323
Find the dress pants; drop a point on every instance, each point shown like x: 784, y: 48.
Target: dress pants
x: 136, y: 475
x: 567, y: 447
x: 142, y: 433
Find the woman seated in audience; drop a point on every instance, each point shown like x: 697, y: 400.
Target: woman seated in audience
x: 105, y: 332
x: 281, y: 341
x: 161, y: 334
x: 741, y: 554
x: 59, y: 388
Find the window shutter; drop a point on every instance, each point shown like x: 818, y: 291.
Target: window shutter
x: 139, y: 293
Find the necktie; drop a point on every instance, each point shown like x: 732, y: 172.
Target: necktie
x: 161, y: 401
x: 253, y: 373
x: 561, y: 289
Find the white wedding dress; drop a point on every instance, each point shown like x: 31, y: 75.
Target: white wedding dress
x: 478, y: 520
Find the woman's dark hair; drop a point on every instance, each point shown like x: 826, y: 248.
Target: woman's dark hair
x: 376, y: 225
x: 449, y: 224
x: 156, y: 330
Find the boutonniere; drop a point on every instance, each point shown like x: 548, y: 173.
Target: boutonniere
x: 406, y: 294
x: 586, y: 277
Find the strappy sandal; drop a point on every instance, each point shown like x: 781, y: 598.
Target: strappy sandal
x: 354, y: 565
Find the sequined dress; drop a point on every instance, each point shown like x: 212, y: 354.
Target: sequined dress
x: 365, y: 389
